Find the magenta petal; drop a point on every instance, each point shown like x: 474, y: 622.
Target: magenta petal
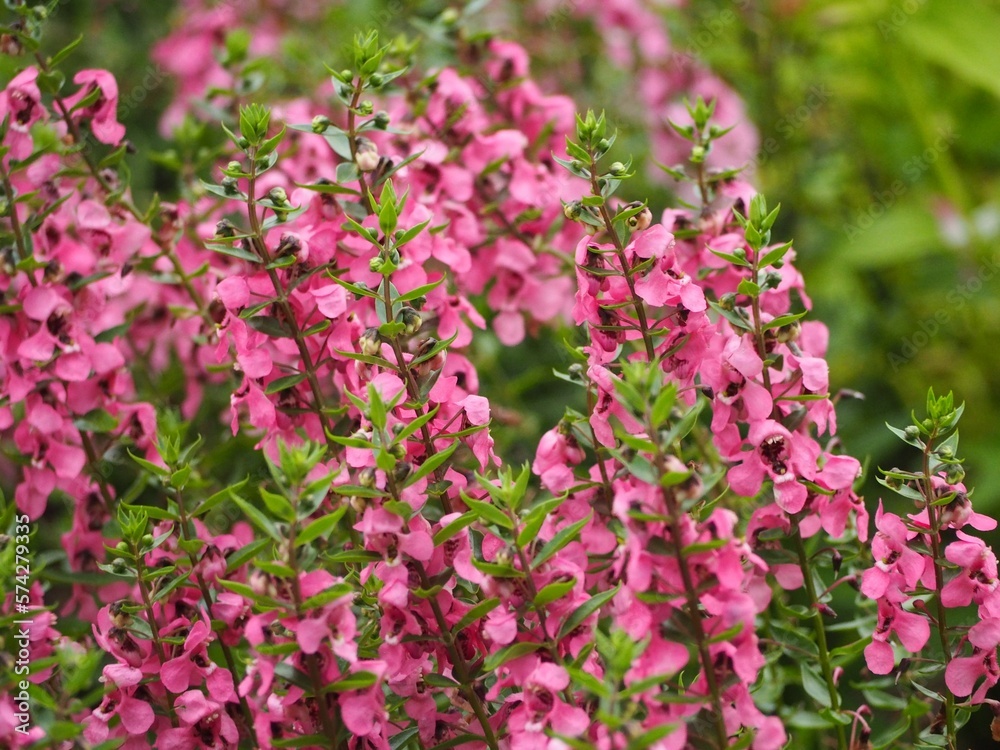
x: 961, y: 674
x: 175, y: 674
x: 310, y: 633
x: 879, y: 656
x: 137, y: 716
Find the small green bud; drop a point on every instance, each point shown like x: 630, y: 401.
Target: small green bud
x: 147, y: 540
x: 398, y: 450
x: 370, y: 342
x: 449, y: 17
x: 411, y: 319
x: 243, y: 143
x: 320, y: 123
x: 376, y: 80
x: 955, y: 474
x: 277, y: 196
x: 381, y: 119
x: 912, y: 432
x: 366, y: 156
x: 698, y: 154
x: 603, y: 145
x: 225, y: 228
x: 641, y: 220
x: 118, y: 565
x: 376, y: 264
x: 346, y: 74
x: 402, y: 469
x: 122, y: 546
x: 234, y: 166
x: 231, y: 186
x: 366, y: 477
x: 617, y: 169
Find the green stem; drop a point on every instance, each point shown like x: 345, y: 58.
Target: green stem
x: 15, y: 222
x: 934, y: 520
x: 330, y: 723
x: 820, y: 630
x: 693, y: 606
x: 206, y: 595
x: 609, y: 226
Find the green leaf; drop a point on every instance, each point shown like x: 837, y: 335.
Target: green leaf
x: 281, y: 384
x: 320, y: 527
x: 270, y: 326
x: 560, y: 540
x: 149, y: 465
x: 244, y: 554
x: 431, y: 463
x: 504, y: 655
x: 813, y: 684
x: 734, y: 259
x: 553, y: 592
x: 488, y: 512
x: 748, y: 288
x: 354, y: 681
x: 233, y: 251
x: 585, y: 610
x: 536, y: 517
x: 732, y: 316
x: 336, y: 591
x: 775, y: 254
x: 783, y: 320
x: 454, y: 526
x: 65, y: 52
x: 278, y: 505
x: 97, y: 421
x: 478, y: 612
x: 258, y: 519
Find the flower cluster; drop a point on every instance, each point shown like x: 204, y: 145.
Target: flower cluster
x: 382, y: 579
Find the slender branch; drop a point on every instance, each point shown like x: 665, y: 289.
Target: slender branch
x: 820, y: 630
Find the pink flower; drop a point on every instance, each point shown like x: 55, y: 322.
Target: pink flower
x: 963, y: 672
x: 102, y: 114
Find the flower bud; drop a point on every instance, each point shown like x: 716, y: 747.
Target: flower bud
x: 366, y: 156
x: 411, y: 319
x: 231, y: 185
x: 367, y: 107
x: 370, y: 342
x: 955, y: 474
x: 225, y: 228
x: 381, y: 120
x: 912, y: 432
x: 376, y: 264
x: 119, y: 566
x: 320, y: 123
x: 603, y: 145
x: 234, y: 166
x: 617, y: 169
x: 366, y: 477
x: 641, y: 220
x: 288, y: 245
x: 573, y: 210
x: 277, y: 196
x: 147, y: 540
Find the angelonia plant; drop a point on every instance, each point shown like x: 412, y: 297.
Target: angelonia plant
x: 666, y: 573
